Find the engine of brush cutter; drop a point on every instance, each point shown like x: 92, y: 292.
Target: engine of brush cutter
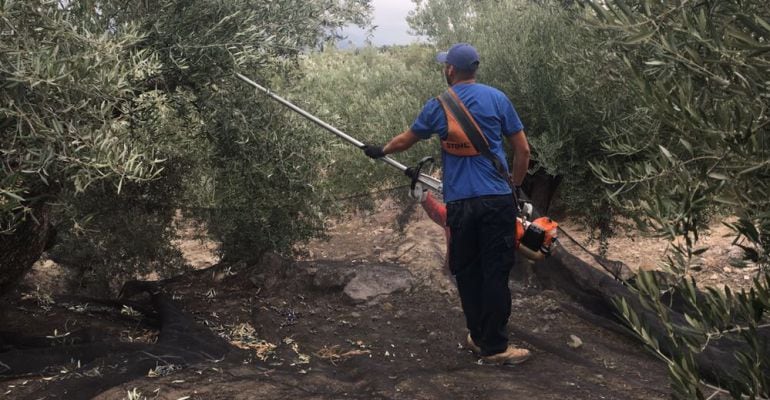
x: 535, y: 239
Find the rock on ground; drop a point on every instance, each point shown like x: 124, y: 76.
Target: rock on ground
x: 374, y: 281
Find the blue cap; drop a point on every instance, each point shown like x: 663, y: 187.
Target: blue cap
x: 462, y: 55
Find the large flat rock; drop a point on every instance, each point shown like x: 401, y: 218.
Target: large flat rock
x: 374, y: 281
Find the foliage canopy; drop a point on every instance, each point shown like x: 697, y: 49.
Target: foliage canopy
x: 100, y: 94
x: 700, y: 71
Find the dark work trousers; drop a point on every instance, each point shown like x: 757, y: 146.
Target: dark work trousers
x: 481, y: 255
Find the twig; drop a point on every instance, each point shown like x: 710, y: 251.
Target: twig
x: 716, y: 392
x: 161, y: 358
x: 737, y: 329
x: 211, y: 358
x: 334, y: 354
x: 725, y: 391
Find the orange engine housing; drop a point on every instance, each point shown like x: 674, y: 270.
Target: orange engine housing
x: 535, y: 239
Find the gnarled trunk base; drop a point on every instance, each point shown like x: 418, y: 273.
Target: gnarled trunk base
x: 21, y: 249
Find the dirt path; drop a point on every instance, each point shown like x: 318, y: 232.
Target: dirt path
x: 297, y: 340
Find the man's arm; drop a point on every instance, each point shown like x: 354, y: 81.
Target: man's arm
x: 430, y: 120
x: 401, y: 142
x: 520, y: 148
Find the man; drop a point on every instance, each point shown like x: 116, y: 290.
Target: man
x: 481, y: 209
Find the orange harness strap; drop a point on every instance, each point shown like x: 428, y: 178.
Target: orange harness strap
x: 457, y: 142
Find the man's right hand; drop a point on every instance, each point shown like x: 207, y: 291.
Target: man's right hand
x: 373, y: 151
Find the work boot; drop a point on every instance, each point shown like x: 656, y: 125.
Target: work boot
x: 471, y: 345
x: 510, y: 356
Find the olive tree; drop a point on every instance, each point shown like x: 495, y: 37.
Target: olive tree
x: 700, y: 71
x: 100, y: 94
x: 64, y: 118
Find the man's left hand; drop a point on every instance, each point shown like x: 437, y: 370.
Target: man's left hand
x: 373, y: 151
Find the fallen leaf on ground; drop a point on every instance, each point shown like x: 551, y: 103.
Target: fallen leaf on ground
x: 574, y: 342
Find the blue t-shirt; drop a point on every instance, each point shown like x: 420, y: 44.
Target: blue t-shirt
x: 467, y: 177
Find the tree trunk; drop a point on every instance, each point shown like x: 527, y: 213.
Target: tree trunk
x: 540, y: 188
x: 20, y: 249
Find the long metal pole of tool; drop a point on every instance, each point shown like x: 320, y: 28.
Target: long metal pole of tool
x: 428, y: 180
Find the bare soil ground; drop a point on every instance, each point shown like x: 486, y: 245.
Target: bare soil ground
x: 293, y: 340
